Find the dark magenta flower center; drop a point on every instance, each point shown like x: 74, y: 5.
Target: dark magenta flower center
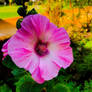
x: 41, y: 48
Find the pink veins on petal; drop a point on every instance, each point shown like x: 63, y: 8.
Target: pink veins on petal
x: 40, y: 47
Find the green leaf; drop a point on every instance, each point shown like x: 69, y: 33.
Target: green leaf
x: 61, y: 88
x: 9, y: 63
x: 88, y: 86
x: 18, y: 72
x: 27, y: 84
x: 24, y: 84
x: 5, y: 88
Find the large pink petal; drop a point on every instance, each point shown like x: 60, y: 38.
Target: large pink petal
x: 46, y: 35
x: 26, y: 24
x: 48, y: 68
x: 37, y: 24
x: 5, y: 49
x: 60, y: 49
x: 31, y: 66
x: 22, y: 53
x: 60, y: 36
x: 64, y: 58
x: 36, y: 75
x: 26, y: 37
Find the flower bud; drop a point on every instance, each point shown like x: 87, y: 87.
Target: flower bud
x: 22, y: 11
x: 32, y: 12
x: 18, y: 23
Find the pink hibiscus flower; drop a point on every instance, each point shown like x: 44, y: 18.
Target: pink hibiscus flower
x: 40, y: 47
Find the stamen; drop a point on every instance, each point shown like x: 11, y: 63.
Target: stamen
x: 41, y: 48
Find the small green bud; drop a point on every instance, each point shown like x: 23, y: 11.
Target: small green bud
x: 32, y: 12
x: 18, y: 23
x: 22, y: 11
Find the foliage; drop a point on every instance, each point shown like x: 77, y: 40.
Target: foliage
x: 88, y: 45
x: 5, y: 88
x: 66, y: 87
x: 81, y: 68
x: 88, y: 86
x: 18, y: 72
x: 8, y: 63
x: 26, y: 84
